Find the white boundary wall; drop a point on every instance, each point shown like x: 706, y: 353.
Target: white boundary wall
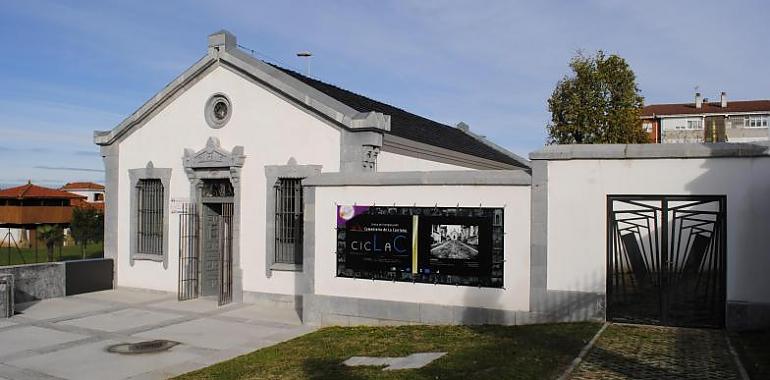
x: 578, y: 180
x: 577, y: 215
x: 514, y: 199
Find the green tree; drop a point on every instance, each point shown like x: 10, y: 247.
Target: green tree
x: 51, y: 236
x: 84, y: 226
x: 599, y: 104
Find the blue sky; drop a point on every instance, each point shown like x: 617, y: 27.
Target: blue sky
x: 68, y: 68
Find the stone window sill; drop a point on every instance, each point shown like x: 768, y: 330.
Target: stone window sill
x: 286, y: 267
x: 147, y: 256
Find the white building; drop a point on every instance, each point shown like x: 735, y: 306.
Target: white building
x: 93, y: 192
x: 233, y: 137
x: 703, y: 121
x: 227, y: 184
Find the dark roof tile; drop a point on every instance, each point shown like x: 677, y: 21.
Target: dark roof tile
x: 408, y: 125
x: 710, y: 107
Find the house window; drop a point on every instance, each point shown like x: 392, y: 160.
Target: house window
x: 288, y: 221
x: 149, y: 228
x: 694, y: 124
x: 755, y: 121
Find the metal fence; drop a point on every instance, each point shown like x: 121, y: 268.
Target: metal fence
x: 188, y: 252
x: 226, y: 254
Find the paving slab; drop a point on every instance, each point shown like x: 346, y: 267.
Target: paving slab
x: 55, y: 308
x: 8, y: 372
x: 92, y: 361
x: 121, y: 320
x: 213, y: 333
x: 66, y: 338
x: 33, y: 338
x: 259, y: 313
x: 192, y: 306
x: 127, y: 296
x: 413, y: 361
x: 5, y: 322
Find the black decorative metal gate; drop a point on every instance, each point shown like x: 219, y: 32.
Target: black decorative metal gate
x: 226, y: 254
x: 189, y: 252
x: 666, y: 259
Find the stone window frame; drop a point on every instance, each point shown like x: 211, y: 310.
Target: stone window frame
x: 272, y: 174
x: 208, y: 110
x: 135, y: 175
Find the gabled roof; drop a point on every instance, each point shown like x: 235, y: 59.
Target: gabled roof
x: 30, y: 191
x: 410, y: 126
x: 82, y: 186
x: 739, y: 106
x: 352, y: 111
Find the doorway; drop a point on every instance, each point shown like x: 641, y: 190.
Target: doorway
x: 666, y: 259
x: 206, y: 244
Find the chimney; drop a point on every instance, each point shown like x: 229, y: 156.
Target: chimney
x: 698, y: 100
x: 222, y: 40
x: 723, y: 99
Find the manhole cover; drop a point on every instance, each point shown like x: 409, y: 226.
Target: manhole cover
x: 147, y: 347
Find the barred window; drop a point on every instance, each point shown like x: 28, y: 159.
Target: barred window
x: 288, y: 221
x: 150, y: 216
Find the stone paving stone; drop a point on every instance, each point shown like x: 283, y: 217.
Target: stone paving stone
x: 213, y: 333
x: 200, y: 305
x: 126, y: 296
x: 259, y: 313
x: 413, y: 361
x: 658, y: 353
x: 92, y: 361
x: 32, y: 338
x: 5, y: 323
x: 121, y: 320
x: 54, y: 308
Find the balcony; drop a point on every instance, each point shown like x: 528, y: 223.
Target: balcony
x: 19, y: 215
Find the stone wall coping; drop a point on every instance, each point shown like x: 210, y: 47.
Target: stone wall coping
x: 414, y: 178
x: 649, y: 151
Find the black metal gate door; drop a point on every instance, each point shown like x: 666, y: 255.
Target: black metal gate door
x: 666, y: 259
x: 225, y: 224
x: 188, y: 253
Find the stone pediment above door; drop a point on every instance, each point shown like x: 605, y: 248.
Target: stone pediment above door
x: 214, y: 156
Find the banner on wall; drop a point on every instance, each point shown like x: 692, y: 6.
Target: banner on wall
x: 441, y: 245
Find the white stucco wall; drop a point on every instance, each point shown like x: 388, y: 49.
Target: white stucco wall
x: 271, y: 131
x: 393, y: 162
x: 577, y: 207
x: 515, y: 199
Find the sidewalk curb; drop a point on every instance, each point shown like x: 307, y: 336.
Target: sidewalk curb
x: 741, y: 368
x: 566, y: 374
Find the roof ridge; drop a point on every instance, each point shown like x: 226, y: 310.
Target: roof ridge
x: 714, y: 102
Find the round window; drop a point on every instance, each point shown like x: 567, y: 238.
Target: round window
x: 218, y: 110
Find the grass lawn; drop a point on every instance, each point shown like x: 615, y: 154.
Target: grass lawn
x: 754, y: 349
x: 474, y: 352
x: 27, y: 255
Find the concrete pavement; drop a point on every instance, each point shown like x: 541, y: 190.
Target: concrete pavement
x: 66, y: 338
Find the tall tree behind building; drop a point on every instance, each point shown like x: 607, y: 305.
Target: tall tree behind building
x: 599, y: 104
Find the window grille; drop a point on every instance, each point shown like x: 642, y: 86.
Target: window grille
x: 150, y: 216
x: 288, y: 221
